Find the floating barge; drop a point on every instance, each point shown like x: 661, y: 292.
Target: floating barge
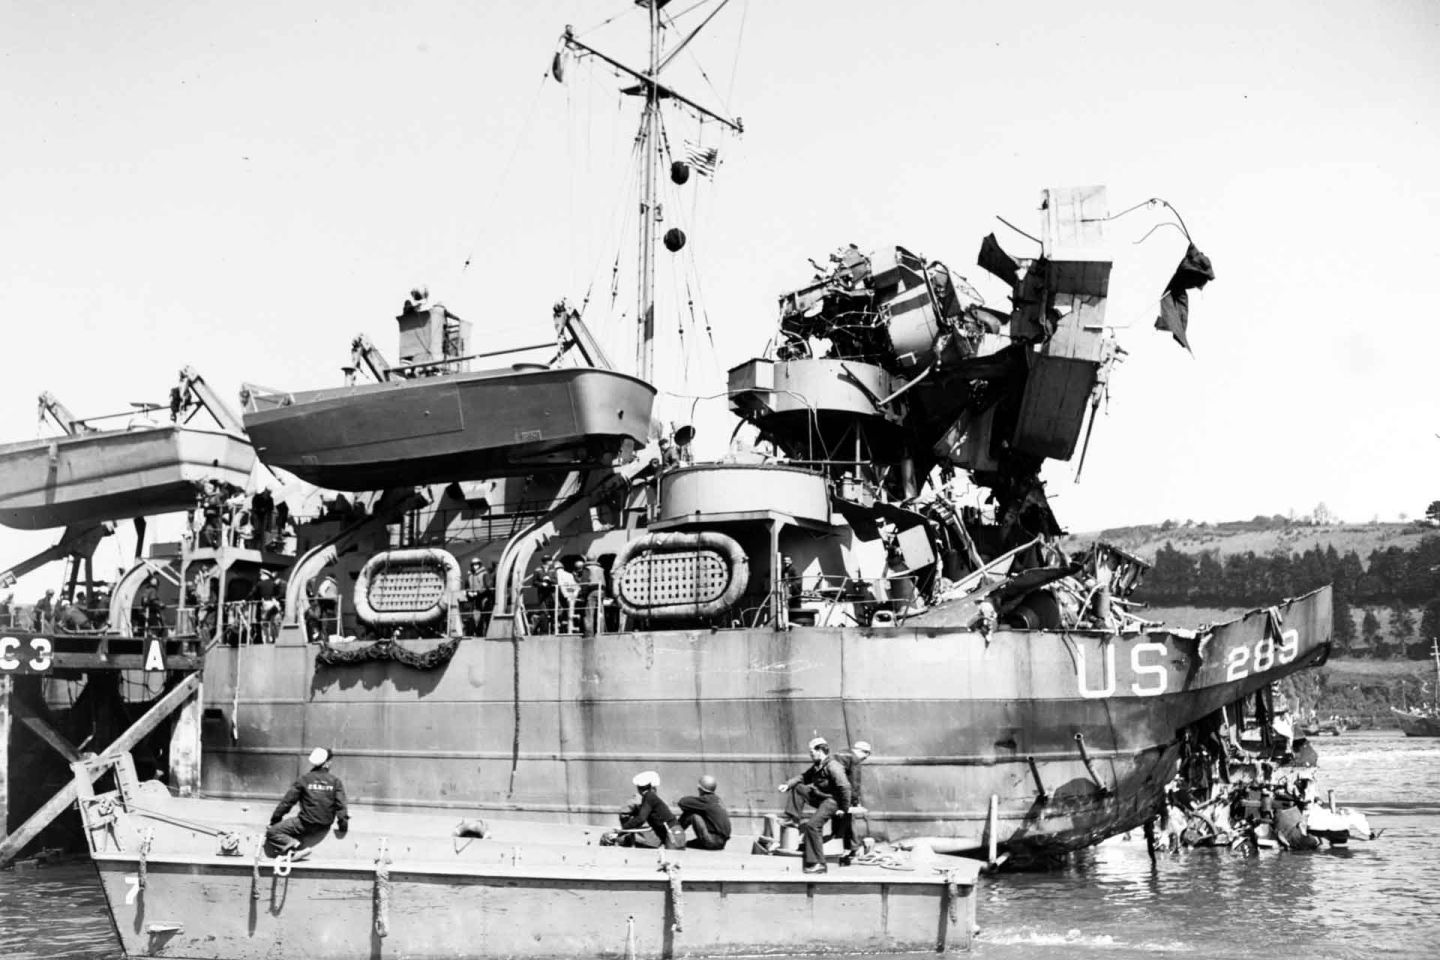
x: 184, y: 878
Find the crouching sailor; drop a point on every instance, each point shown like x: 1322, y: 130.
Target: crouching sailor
x: 647, y: 820
x: 705, y: 814
x: 321, y: 797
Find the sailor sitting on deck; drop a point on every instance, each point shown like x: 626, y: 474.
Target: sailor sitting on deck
x: 706, y: 816
x: 647, y: 821
x: 321, y: 797
x: 846, y: 827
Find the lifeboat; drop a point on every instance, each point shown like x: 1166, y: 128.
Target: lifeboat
x: 403, y: 432
x: 87, y: 478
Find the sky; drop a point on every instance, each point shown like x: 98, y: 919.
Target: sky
x: 245, y: 187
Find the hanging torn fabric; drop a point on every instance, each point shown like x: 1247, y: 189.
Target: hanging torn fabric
x: 1194, y: 272
x: 996, y: 261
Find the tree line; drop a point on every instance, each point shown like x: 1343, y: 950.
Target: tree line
x: 1402, y: 582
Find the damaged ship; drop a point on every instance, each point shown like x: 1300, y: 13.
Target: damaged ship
x: 880, y: 563
x: 842, y: 577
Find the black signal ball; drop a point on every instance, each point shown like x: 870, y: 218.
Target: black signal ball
x: 674, y: 239
x: 679, y: 171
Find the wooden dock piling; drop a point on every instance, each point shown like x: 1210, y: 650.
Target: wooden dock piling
x: 5, y: 684
x: 78, y: 655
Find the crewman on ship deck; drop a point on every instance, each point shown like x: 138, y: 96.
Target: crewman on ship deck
x: 480, y: 594
x: 845, y: 827
x: 146, y: 616
x: 823, y: 786
x: 321, y: 797
x: 650, y: 811
x: 543, y: 581
x: 42, y: 612
x: 705, y: 815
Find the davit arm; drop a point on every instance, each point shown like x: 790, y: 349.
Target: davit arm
x: 192, y: 384
x: 77, y: 541
x: 390, y: 507
x: 510, y: 571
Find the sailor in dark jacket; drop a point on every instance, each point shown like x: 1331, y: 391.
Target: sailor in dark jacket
x: 321, y: 797
x: 651, y: 811
x: 823, y: 786
x: 853, y: 760
x: 706, y: 816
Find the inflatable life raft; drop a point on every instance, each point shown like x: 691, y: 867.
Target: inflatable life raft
x: 403, y: 587
x: 668, y: 576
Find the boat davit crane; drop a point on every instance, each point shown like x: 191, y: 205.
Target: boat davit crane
x: 366, y: 354
x: 195, y: 394
x: 79, y: 541
x: 61, y: 416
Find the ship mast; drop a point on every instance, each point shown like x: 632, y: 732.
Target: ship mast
x: 645, y: 297
x: 654, y: 91
x: 1435, y: 652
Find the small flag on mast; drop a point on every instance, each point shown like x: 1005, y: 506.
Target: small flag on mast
x: 703, y: 159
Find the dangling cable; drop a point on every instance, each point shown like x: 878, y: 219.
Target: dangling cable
x: 505, y: 171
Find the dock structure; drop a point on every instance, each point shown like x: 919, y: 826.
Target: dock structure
x: 28, y: 658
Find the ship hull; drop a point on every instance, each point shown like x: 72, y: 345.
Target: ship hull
x: 114, y: 475
x: 1075, y: 734
x: 460, y: 427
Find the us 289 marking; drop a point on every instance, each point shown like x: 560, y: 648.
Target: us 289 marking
x: 1147, y: 663
x: 1241, y: 662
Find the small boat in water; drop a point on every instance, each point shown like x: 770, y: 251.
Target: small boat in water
x: 433, y: 422
x: 1423, y: 721
x: 88, y: 476
x: 1418, y: 722
x: 186, y: 878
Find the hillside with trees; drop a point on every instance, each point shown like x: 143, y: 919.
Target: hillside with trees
x: 1386, y: 577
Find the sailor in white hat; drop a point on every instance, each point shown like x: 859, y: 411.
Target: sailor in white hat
x: 321, y: 797
x: 648, y: 821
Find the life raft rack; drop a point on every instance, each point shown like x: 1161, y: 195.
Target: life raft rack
x: 667, y: 576
x: 406, y: 587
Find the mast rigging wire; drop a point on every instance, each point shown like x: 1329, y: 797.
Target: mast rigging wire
x: 605, y: 23
x: 505, y: 171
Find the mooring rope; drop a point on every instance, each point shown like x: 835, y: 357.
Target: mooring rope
x: 677, y: 894
x: 515, y: 697
x: 952, y: 895
x: 382, y: 890
x: 145, y: 842
x: 255, y: 868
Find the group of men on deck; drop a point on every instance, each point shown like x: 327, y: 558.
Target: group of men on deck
x: 827, y: 791
x: 831, y: 789
x: 648, y: 821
